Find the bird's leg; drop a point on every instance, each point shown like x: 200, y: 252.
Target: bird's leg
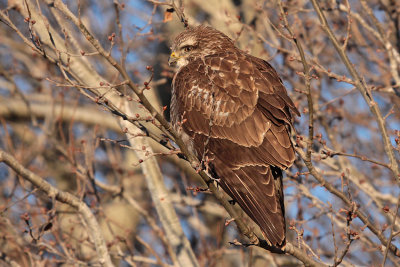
x: 217, y: 180
x: 210, y: 170
x: 200, y: 166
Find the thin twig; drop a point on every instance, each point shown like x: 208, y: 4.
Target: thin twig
x: 366, y: 93
x: 67, y: 198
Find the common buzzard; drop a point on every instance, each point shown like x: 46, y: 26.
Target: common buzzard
x: 234, y: 113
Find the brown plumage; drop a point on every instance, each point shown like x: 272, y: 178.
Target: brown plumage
x: 236, y: 114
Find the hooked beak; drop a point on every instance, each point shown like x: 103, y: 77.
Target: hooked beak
x: 173, y: 58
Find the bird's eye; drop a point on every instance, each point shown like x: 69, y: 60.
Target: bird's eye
x: 187, y: 48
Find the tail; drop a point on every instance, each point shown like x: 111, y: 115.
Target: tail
x: 278, y: 177
x: 259, y: 192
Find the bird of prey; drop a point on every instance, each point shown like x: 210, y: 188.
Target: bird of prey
x: 233, y: 112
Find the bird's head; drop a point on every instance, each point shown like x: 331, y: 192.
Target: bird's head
x: 197, y: 42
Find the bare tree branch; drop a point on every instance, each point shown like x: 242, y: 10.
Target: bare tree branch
x: 67, y: 198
